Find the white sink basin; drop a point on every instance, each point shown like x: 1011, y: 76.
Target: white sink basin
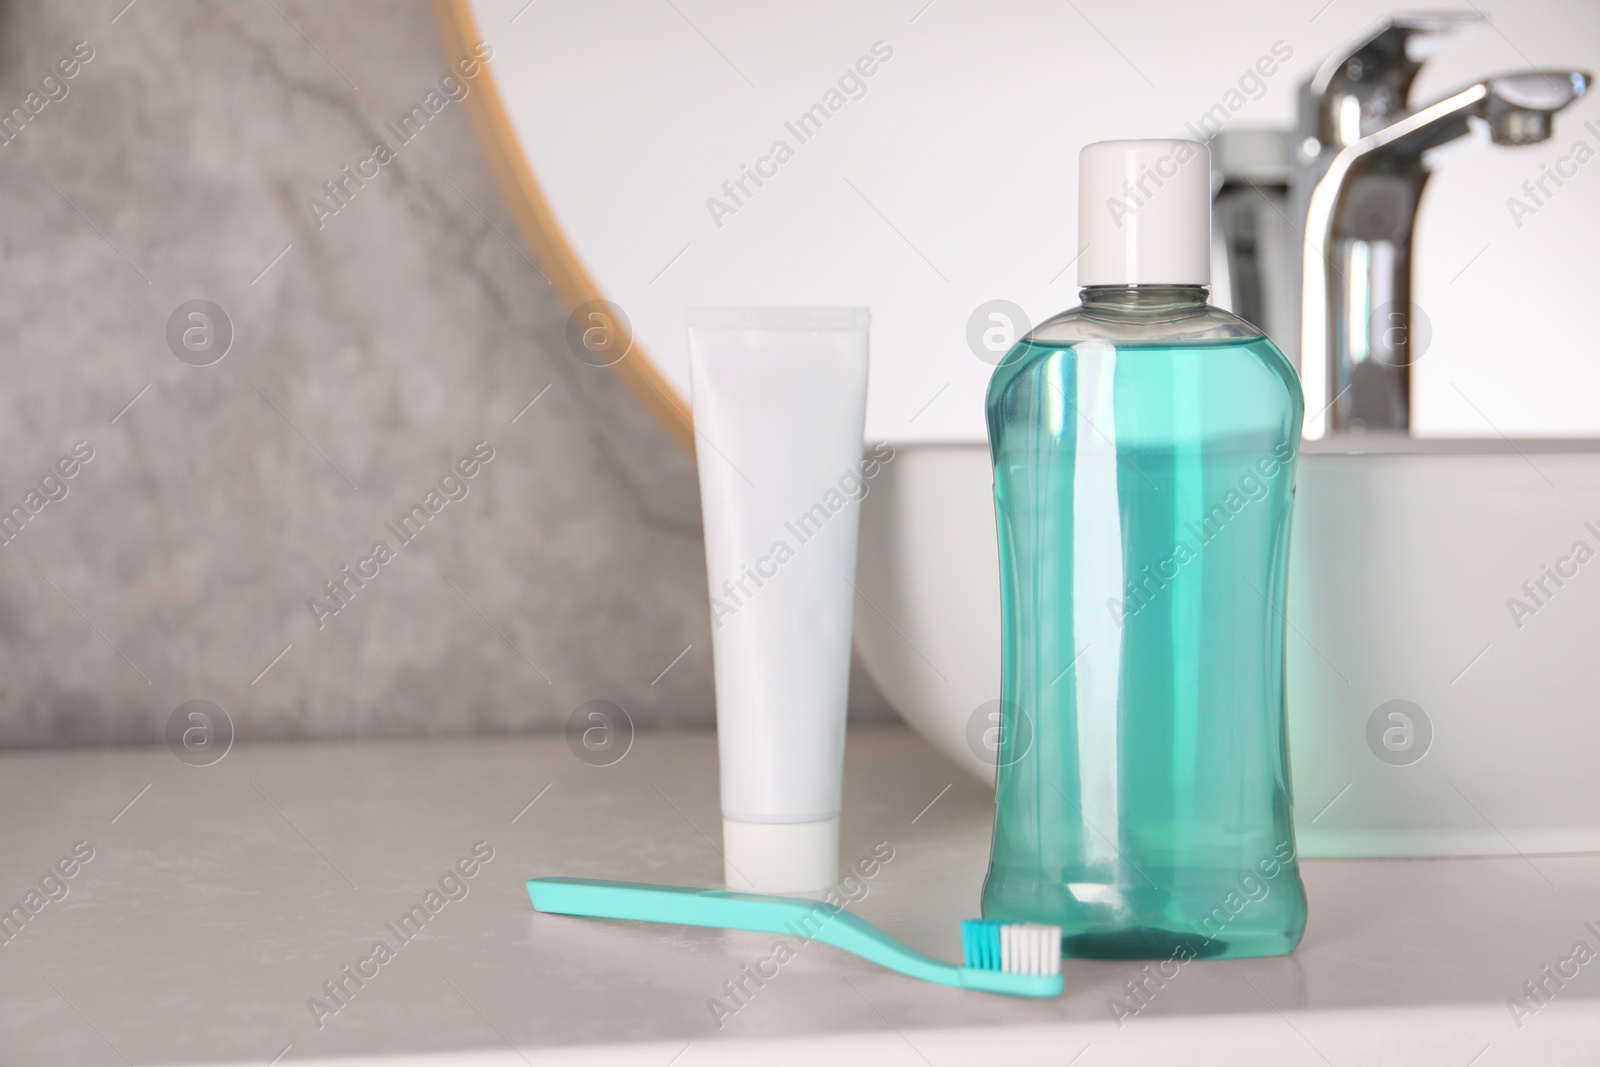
x: 1402, y: 563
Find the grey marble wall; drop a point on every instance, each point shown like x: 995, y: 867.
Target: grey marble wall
x: 208, y: 501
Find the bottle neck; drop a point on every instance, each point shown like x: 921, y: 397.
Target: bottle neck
x: 1144, y: 298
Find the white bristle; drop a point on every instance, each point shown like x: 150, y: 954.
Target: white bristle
x: 1030, y: 948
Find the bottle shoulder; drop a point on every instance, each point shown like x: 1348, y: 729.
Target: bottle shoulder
x: 1238, y: 364
x: 1120, y: 327
x: 1192, y: 328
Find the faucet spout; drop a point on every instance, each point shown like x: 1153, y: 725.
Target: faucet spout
x: 1519, y: 106
x: 1518, y: 109
x: 1358, y: 176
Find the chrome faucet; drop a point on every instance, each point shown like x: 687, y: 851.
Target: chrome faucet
x: 1357, y: 174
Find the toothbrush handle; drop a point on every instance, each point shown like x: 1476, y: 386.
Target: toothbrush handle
x: 643, y: 901
x: 805, y: 919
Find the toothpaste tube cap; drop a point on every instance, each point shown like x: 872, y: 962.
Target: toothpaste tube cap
x: 780, y: 857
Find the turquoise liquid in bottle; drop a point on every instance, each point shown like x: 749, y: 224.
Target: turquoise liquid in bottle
x: 1144, y: 448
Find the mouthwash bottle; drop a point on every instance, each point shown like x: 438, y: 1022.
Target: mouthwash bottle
x: 1144, y: 448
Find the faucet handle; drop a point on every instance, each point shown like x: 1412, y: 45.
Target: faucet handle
x: 1370, y: 79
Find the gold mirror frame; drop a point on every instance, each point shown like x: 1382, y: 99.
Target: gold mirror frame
x: 458, y: 32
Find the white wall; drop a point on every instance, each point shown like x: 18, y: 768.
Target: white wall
x: 953, y: 180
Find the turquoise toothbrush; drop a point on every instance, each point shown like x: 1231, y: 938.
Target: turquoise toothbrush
x: 1019, y: 959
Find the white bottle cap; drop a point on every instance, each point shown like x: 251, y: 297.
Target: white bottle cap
x: 780, y: 857
x: 1144, y: 213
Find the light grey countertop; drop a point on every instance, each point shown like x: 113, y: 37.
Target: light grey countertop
x: 218, y: 903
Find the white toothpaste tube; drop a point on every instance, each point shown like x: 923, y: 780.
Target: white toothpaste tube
x: 779, y: 399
